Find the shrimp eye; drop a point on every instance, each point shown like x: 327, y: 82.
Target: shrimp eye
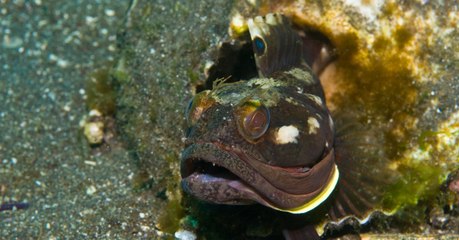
x: 253, y: 120
x: 197, y: 106
x: 259, y: 45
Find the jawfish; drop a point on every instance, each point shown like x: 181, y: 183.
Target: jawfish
x: 271, y: 139
x: 268, y: 140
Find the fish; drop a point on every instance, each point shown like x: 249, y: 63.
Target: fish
x: 271, y: 139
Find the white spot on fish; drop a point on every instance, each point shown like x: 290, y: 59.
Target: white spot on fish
x: 292, y: 101
x: 287, y: 134
x: 313, y: 125
x: 299, y: 90
x: 316, y: 99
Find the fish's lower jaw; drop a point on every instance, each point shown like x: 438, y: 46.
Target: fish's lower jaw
x: 316, y: 200
x: 225, y: 175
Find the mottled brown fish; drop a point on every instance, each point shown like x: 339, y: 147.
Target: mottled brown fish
x: 269, y: 139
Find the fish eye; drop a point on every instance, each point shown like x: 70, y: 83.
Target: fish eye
x: 259, y: 45
x: 253, y: 120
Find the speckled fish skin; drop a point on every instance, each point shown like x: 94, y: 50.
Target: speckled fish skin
x: 290, y: 166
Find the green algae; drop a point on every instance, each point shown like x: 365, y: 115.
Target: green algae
x: 419, y: 182
x: 427, y: 139
x: 100, y: 91
x: 169, y: 220
x: 119, y: 72
x: 382, y: 85
x: 381, y: 43
x: 193, y: 76
x: 347, y: 45
x: 402, y: 35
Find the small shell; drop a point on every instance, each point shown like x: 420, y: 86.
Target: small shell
x: 93, y: 128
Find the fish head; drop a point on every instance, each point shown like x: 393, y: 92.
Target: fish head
x: 259, y: 141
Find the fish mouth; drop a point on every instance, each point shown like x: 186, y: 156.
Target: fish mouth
x: 209, y: 173
x: 224, y: 175
x: 198, y: 166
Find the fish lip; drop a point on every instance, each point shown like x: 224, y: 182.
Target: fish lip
x: 218, y: 183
